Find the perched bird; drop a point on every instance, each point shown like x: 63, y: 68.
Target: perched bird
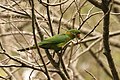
x: 56, y: 42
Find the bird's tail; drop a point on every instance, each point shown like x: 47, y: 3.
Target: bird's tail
x: 29, y: 48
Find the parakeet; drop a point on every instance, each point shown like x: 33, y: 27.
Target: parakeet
x: 56, y: 42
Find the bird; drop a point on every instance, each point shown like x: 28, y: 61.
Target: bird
x: 56, y: 42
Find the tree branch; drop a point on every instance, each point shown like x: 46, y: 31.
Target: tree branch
x: 33, y: 28
x: 107, y: 51
x: 95, y: 3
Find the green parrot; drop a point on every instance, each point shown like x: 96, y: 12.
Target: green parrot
x: 56, y: 42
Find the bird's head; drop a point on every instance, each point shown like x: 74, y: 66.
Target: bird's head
x: 73, y: 33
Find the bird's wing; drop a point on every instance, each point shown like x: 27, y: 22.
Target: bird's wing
x: 57, y: 39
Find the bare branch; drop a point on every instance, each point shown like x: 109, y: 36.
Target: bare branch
x: 96, y: 3
x: 107, y: 51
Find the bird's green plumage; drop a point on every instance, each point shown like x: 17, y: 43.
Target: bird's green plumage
x: 56, y: 42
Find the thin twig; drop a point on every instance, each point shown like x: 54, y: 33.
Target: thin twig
x: 94, y: 78
x: 50, y: 4
x: 33, y: 28
x: 95, y: 3
x: 87, y: 49
x: 49, y: 19
x: 9, y: 9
